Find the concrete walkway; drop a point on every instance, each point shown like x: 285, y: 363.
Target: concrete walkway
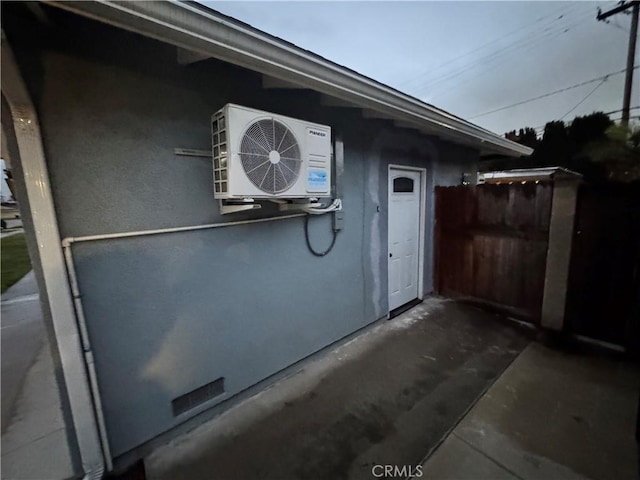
x: 385, y: 398
x: 34, y: 443
x: 551, y: 415
x: 22, y: 335
x: 13, y: 223
x: 6, y: 234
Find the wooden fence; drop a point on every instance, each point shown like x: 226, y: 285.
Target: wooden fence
x: 491, y: 244
x: 491, y: 247
x: 603, y: 295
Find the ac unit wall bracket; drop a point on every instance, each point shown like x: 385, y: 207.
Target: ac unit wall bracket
x: 227, y: 206
x: 297, y: 206
x: 234, y: 206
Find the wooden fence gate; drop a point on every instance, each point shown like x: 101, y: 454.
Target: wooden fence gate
x: 491, y: 245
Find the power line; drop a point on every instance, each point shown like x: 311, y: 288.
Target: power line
x: 586, y: 96
x: 495, y: 61
x: 555, y: 92
x: 621, y: 109
x: 631, y: 117
x: 523, y: 41
x: 520, y: 31
x: 617, y: 25
x: 540, y: 130
x: 429, y: 71
x: 485, y: 60
x: 526, y: 41
x: 622, y: 6
x: 541, y: 127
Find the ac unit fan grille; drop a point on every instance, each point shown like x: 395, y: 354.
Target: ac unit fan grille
x: 270, y: 156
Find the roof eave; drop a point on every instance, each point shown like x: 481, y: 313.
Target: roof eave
x: 192, y: 28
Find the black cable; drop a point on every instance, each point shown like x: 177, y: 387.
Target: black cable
x: 585, y: 98
x: 306, y: 237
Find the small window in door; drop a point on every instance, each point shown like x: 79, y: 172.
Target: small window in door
x: 402, y: 185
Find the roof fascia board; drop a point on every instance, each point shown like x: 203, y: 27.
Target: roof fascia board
x: 188, y: 27
x: 542, y: 172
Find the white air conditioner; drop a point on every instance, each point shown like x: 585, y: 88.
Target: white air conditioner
x: 263, y: 155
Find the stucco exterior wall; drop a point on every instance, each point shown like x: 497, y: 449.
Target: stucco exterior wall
x: 169, y: 313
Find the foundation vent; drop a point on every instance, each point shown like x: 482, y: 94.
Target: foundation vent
x: 197, y: 397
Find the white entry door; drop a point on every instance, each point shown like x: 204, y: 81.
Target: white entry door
x: 404, y: 235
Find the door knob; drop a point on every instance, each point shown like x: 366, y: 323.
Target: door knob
x: 390, y: 255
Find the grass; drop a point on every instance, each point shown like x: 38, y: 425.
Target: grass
x: 14, y: 259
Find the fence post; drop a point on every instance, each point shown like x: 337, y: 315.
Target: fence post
x: 561, y: 223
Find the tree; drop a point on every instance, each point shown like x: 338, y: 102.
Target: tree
x: 525, y: 136
x: 591, y: 144
x: 587, y: 129
x: 555, y: 147
x: 617, y: 152
x: 529, y: 137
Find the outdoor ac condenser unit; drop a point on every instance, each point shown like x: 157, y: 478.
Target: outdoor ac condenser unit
x: 258, y: 154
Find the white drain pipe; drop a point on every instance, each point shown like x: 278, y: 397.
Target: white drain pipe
x: 140, y: 233
x: 88, y: 356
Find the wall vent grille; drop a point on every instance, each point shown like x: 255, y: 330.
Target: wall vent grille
x: 197, y: 397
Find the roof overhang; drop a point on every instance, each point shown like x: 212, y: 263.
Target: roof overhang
x: 529, y: 174
x: 210, y: 34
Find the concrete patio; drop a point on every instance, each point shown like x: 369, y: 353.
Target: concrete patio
x: 445, y: 386
x: 551, y: 415
x: 385, y: 398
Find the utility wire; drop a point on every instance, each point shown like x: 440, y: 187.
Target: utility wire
x: 615, y: 21
x: 524, y: 35
x: 485, y: 60
x: 493, y: 62
x: 541, y: 127
x: 429, y: 71
x: 486, y: 65
x: 632, y: 117
x: 586, y: 96
x: 620, y: 110
x: 540, y: 130
x: 617, y: 25
x: 555, y: 92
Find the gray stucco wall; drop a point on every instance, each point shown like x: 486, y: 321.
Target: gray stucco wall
x: 169, y: 313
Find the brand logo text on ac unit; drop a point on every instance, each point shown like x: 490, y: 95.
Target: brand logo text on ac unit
x: 317, y: 133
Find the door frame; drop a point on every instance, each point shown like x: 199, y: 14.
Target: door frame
x: 421, y: 228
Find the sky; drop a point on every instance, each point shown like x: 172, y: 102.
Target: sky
x: 468, y: 58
